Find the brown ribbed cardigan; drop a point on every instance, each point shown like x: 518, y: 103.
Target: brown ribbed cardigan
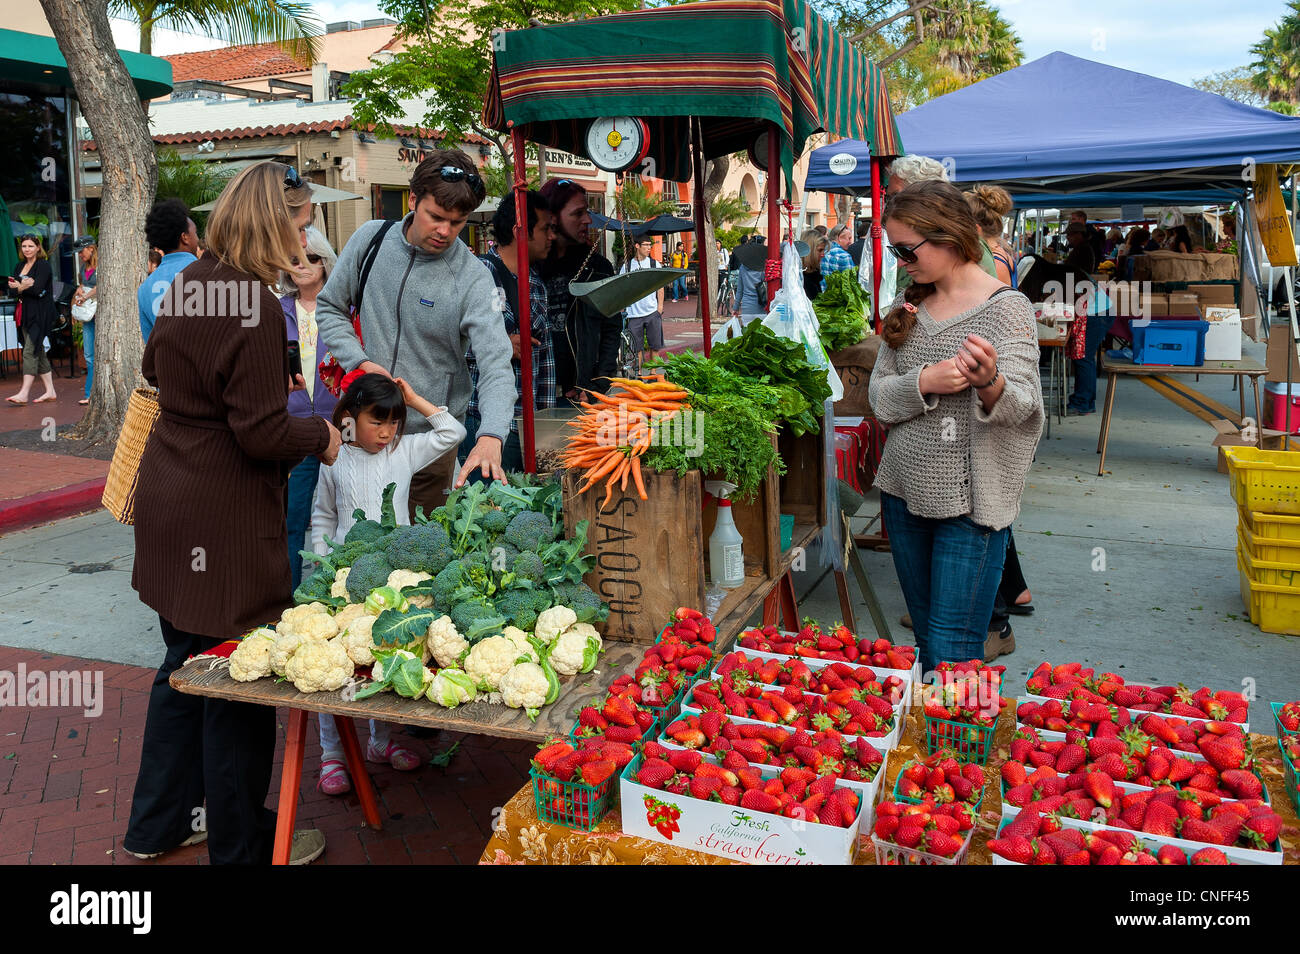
x: 211, y: 551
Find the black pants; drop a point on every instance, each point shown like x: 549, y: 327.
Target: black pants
x: 1012, y: 585
x: 198, y: 749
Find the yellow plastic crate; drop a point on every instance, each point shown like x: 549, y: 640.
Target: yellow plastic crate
x: 1271, y: 526
x: 1274, y: 609
x: 1272, y: 563
x: 1264, y: 481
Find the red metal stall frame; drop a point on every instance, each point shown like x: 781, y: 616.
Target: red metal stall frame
x: 527, y: 441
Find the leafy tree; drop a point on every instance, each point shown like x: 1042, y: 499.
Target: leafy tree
x: 726, y: 209
x: 193, y: 181
x: 1235, y: 83
x: 499, y: 179
x: 447, y: 61
x: 290, y: 24
x: 1277, y: 65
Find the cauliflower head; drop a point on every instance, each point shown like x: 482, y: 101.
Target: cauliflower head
x: 311, y: 621
x: 520, y: 639
x: 575, y: 651
x: 400, y: 579
x: 339, y: 587
x: 252, y: 657
x: 490, y: 659
x: 358, y: 644
x: 347, y: 614
x: 444, y: 642
x: 524, y: 686
x: 319, y: 665
x: 451, y: 687
x: 551, y: 622
x: 286, y: 644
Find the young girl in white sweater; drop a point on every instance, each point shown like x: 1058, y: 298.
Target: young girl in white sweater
x: 371, y: 415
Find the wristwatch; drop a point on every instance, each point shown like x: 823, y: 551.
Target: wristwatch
x: 992, y: 381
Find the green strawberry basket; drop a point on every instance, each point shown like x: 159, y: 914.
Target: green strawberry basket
x: 671, y: 709
x: 969, y: 743
x: 1282, y: 731
x: 651, y: 733
x: 889, y: 853
x: 1291, y: 777
x: 916, y: 801
x: 573, y: 805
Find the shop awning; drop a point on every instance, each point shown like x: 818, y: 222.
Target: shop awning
x: 1062, y: 127
x: 30, y: 58
x: 737, y: 64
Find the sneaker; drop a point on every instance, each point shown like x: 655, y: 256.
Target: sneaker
x: 198, y: 838
x: 1076, y: 412
x: 906, y: 620
x: 308, y: 845
x: 404, y: 760
x: 999, y: 643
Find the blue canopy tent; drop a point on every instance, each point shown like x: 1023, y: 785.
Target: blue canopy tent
x: 1042, y: 132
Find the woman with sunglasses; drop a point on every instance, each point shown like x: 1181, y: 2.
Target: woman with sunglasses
x: 301, y: 285
x: 957, y: 383
x: 210, y: 551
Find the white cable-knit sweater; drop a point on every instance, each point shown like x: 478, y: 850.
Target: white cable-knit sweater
x: 945, y: 456
x: 358, y: 478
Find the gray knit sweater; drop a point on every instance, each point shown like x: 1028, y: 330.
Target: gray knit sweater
x: 944, y: 455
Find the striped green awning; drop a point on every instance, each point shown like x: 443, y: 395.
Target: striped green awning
x: 736, y: 64
x: 30, y: 58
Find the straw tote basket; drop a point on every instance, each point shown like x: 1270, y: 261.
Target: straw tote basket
x: 123, y: 474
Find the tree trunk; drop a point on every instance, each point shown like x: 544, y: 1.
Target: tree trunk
x: 715, y: 173
x: 116, y: 118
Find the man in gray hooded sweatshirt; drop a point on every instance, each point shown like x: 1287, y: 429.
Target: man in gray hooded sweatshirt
x: 427, y: 300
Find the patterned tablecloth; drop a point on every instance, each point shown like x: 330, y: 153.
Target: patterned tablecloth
x: 521, y: 838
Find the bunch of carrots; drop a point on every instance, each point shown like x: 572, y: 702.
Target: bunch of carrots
x: 614, y: 453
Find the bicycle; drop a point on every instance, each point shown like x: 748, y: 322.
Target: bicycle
x: 725, y: 304
x: 629, y: 353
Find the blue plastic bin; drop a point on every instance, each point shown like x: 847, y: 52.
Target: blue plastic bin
x: 1168, y: 341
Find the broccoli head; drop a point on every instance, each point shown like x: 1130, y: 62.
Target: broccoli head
x: 518, y: 606
x: 529, y: 566
x: 448, y: 580
x: 495, y: 522
x: 424, y: 549
x: 528, y: 530
x: 476, y: 620
x: 346, y: 554
x: 503, y: 556
x: 364, y: 531
x: 316, y: 588
x: 584, y: 601
x: 368, y: 572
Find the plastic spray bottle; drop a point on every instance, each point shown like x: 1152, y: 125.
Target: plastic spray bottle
x: 726, y: 548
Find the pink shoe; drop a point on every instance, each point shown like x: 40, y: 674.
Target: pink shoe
x: 404, y: 760
x: 334, y: 779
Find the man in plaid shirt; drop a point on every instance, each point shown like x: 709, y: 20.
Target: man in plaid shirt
x: 837, y: 257
x: 502, y: 261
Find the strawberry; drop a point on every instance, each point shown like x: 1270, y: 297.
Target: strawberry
x: 1262, y: 830
x: 619, y: 711
x: 942, y: 844
x: 684, y: 760
x: 1014, y: 848
x: 711, y: 724
x: 750, y: 778
x: 548, y: 755
x: 1013, y: 773
x: 1193, y: 829
x: 654, y: 773
x: 1161, y: 819
x: 759, y: 801
x: 589, y: 716
x: 909, y: 833
x: 1243, y: 783
x: 1100, y: 788
x: 704, y: 786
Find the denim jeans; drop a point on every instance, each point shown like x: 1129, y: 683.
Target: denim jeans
x: 302, y: 494
x: 512, y: 452
x: 679, y: 289
x: 949, y: 571
x: 1084, y: 397
x: 88, y: 349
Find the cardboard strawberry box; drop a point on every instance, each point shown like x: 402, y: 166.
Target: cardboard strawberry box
x: 731, y: 831
x: 911, y: 676
x: 1245, y: 856
x: 878, y: 675
x: 1135, y: 715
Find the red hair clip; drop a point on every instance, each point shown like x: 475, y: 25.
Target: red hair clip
x: 908, y: 306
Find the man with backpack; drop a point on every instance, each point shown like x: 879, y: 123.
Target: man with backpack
x: 645, y: 319
x: 503, y: 261
x: 423, y: 299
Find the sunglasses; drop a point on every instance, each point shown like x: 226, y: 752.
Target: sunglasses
x: 313, y: 259
x: 906, y: 253
x: 292, y: 180
x: 456, y: 174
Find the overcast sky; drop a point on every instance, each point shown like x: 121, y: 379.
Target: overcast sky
x: 1179, y: 40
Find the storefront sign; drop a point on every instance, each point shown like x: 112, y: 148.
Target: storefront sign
x: 560, y: 158
x: 407, y: 154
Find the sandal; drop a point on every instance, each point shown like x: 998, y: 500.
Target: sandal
x: 15, y: 402
x: 44, y: 399
x: 84, y: 401
x: 334, y: 778
x: 404, y: 760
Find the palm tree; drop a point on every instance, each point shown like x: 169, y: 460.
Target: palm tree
x: 726, y: 209
x: 193, y: 181
x: 637, y: 203
x: 292, y: 25
x: 1277, y: 67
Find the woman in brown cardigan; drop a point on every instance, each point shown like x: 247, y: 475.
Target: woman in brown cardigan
x: 210, y: 550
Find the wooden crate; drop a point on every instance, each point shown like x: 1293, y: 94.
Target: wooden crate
x: 652, y: 555
x: 803, y: 485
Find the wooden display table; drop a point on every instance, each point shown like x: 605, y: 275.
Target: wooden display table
x: 1114, y: 368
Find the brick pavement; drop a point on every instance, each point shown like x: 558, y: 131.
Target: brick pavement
x: 66, y: 783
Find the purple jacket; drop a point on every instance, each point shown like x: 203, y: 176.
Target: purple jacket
x: 322, y: 403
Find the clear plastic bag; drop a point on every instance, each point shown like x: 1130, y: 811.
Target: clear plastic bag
x: 791, y: 316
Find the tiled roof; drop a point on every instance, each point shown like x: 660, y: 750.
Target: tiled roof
x: 231, y: 63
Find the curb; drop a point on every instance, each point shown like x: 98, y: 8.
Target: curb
x: 50, y: 505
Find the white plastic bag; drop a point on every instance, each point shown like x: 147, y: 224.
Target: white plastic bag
x: 888, y: 275
x: 791, y: 316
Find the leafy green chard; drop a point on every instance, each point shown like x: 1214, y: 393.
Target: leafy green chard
x: 842, y: 311
x: 761, y: 354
